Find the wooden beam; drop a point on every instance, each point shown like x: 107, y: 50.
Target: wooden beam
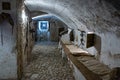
x: 89, y: 75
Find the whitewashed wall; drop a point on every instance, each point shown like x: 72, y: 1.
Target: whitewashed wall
x: 8, y: 55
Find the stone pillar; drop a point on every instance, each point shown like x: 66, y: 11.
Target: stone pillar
x: 19, y: 39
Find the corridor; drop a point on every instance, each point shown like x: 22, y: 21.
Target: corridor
x: 47, y: 64
x: 80, y: 39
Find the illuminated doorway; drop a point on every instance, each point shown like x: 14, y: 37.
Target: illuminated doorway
x: 43, y: 31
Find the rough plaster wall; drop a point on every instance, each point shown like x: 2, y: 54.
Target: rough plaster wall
x: 89, y: 15
x: 8, y: 61
x: 8, y: 57
x: 110, y: 50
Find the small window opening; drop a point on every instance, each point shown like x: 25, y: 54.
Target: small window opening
x: 6, y: 6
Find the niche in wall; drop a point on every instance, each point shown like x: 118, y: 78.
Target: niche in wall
x: 72, y: 35
x: 6, y: 6
x: 90, y: 39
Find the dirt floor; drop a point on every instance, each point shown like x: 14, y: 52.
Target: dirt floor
x: 47, y: 64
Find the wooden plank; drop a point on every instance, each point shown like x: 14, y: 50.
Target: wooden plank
x: 89, y: 75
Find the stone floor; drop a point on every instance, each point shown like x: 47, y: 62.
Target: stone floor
x: 47, y: 64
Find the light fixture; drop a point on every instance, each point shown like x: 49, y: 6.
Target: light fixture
x: 43, y: 25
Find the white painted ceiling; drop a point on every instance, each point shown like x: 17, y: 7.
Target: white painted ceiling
x: 97, y: 15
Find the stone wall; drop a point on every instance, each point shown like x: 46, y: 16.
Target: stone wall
x: 8, y: 54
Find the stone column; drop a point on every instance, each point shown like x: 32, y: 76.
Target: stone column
x: 20, y: 4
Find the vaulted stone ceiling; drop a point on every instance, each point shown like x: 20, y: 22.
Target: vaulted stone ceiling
x: 89, y: 15
x: 36, y: 13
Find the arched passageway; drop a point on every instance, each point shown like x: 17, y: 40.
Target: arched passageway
x: 46, y: 61
x: 98, y: 16
x: 95, y: 27
x: 87, y: 17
